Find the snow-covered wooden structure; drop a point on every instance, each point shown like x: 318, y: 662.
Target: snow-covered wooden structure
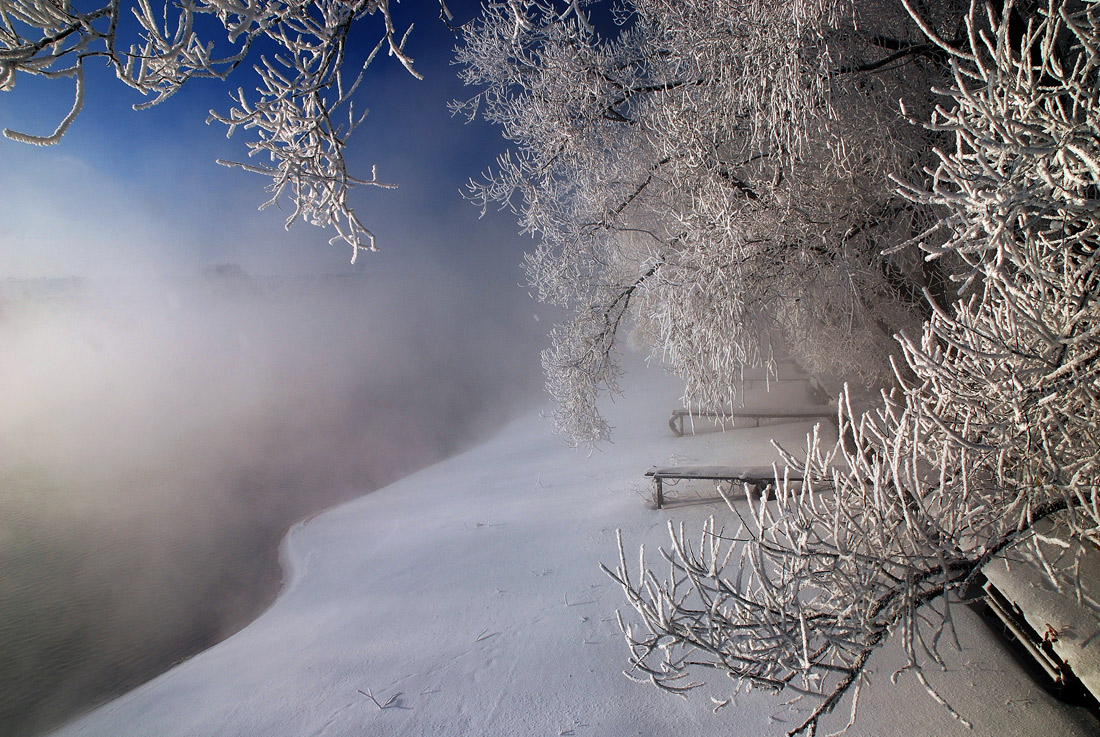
x: 1046, y: 591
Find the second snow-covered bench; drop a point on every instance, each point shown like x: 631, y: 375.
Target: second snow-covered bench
x: 756, y: 414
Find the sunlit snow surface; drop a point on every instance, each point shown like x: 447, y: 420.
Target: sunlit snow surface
x: 470, y: 595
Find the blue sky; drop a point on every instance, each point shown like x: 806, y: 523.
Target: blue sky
x: 134, y: 193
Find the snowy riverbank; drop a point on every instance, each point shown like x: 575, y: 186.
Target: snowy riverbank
x: 469, y: 597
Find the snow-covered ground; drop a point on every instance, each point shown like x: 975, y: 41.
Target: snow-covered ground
x: 469, y: 597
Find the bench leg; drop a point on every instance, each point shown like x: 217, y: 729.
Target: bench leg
x: 676, y: 424
x: 660, y: 492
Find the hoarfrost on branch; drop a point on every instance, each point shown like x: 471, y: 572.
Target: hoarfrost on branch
x: 993, y: 424
x: 712, y: 177
x: 299, y: 116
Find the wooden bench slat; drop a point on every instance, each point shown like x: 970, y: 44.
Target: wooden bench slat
x: 825, y: 411
x: 713, y: 472
x: 746, y: 474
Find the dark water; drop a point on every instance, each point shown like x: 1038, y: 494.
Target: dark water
x: 155, y: 446
x: 91, y: 609
x: 93, y: 605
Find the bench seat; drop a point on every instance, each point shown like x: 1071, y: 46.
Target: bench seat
x: 825, y: 411
x: 756, y: 475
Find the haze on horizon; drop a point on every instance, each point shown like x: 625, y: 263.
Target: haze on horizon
x: 183, y: 378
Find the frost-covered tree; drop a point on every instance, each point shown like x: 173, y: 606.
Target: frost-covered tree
x: 994, y: 425
x: 299, y: 115
x: 713, y: 175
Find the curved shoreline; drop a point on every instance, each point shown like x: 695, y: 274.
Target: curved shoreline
x: 38, y: 702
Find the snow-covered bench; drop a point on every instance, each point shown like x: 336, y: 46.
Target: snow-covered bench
x: 756, y: 414
x: 1044, y: 589
x: 758, y: 476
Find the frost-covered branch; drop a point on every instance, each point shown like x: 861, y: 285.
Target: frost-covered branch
x: 993, y: 424
x: 300, y: 114
x: 735, y: 145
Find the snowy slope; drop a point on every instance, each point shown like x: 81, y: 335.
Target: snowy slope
x: 470, y: 594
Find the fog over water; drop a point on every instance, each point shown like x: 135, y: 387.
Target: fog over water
x: 157, y: 437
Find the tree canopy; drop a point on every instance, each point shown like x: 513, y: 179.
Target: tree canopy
x: 993, y: 424
x: 716, y: 176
